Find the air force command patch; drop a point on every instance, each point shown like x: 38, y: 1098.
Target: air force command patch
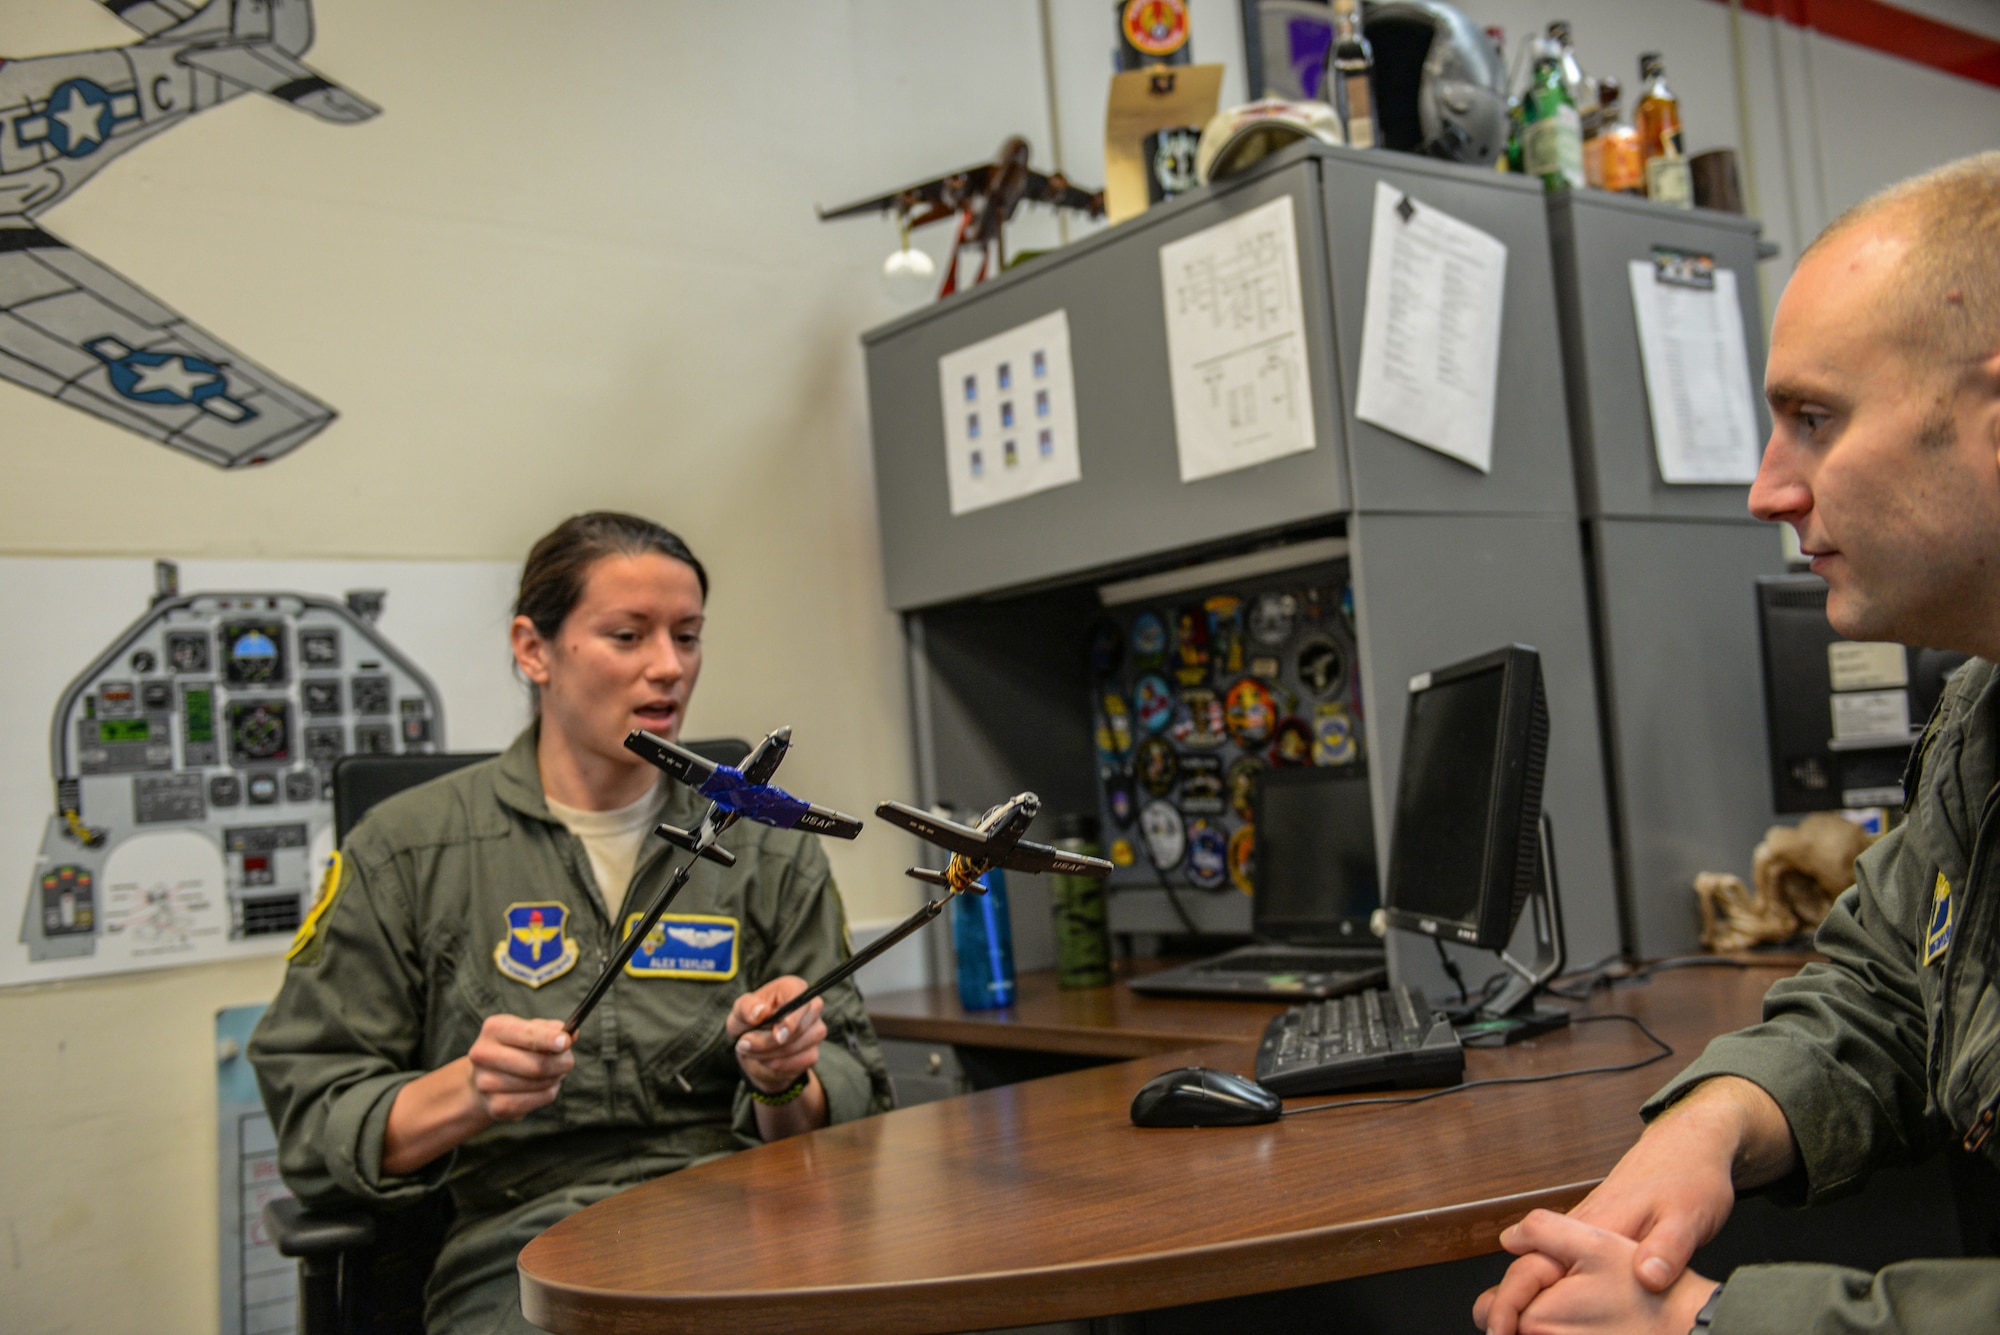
x: 537, y: 948
x: 685, y: 945
x: 1937, y: 933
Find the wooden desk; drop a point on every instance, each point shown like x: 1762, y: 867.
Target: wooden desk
x: 1042, y: 1202
x: 1110, y: 1021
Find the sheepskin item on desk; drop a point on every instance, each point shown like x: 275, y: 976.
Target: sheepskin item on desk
x: 1799, y: 871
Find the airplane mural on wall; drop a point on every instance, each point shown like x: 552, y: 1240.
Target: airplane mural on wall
x: 73, y: 329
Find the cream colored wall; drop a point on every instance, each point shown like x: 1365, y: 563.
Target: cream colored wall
x: 573, y: 264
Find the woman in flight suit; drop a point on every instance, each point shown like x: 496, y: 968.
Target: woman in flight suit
x: 417, y: 1040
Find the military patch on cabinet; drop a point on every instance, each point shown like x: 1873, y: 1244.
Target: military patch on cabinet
x: 1149, y: 642
x: 1165, y: 835
x: 1243, y: 858
x: 1191, y: 645
x: 1114, y: 726
x: 1207, y: 855
x: 1225, y: 635
x: 1157, y: 767
x: 1272, y: 617
x: 1251, y: 712
x: 1201, y: 786
x: 1200, y: 723
x: 1293, y: 744
x: 1154, y: 701
x: 1243, y: 772
x: 1333, y: 736
x: 1322, y: 666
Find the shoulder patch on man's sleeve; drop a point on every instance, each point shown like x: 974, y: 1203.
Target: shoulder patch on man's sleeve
x: 1937, y: 934
x: 308, y: 944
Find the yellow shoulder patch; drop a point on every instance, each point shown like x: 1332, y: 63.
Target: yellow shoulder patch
x: 329, y: 886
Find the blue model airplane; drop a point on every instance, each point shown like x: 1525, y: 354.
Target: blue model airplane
x: 736, y: 792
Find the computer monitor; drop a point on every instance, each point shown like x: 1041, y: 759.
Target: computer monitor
x: 1840, y: 716
x: 1464, y: 852
x: 1315, y: 878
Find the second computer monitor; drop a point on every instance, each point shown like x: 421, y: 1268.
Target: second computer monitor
x: 1315, y: 876
x: 1463, y: 849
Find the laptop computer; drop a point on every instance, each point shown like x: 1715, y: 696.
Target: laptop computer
x: 1316, y: 889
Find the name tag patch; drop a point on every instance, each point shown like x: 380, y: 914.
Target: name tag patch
x: 1937, y: 935
x: 685, y: 945
x: 537, y: 948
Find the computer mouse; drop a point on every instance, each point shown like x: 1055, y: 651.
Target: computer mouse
x: 1197, y: 1096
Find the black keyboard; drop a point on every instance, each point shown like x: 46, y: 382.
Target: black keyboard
x: 1378, y: 1038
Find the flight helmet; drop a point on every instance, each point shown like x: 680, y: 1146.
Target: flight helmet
x: 1439, y: 86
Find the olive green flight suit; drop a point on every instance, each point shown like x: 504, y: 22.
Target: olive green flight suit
x: 393, y: 976
x: 1892, y: 1050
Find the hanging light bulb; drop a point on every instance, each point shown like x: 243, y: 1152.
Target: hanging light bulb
x: 908, y: 274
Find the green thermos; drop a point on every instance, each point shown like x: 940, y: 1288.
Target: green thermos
x: 1083, y: 943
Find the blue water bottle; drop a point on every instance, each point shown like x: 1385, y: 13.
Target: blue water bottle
x: 983, y: 938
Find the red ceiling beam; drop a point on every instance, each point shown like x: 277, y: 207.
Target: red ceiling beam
x: 1892, y: 31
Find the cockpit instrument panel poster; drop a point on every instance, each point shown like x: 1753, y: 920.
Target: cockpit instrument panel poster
x: 171, y: 735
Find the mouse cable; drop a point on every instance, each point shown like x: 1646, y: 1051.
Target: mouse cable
x: 1586, y: 981
x: 1666, y: 1051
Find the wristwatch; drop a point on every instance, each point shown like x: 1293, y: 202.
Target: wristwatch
x: 1706, y: 1316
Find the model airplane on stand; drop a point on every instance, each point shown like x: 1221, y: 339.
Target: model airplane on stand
x: 731, y: 793
x: 983, y: 198
x: 994, y: 842
x: 975, y: 850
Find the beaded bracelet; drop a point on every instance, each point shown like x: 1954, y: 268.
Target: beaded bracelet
x: 783, y: 1096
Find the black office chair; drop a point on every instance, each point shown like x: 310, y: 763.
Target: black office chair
x: 363, y: 1272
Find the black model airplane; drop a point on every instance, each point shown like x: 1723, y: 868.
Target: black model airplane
x: 995, y: 842
x: 736, y: 792
x: 984, y: 198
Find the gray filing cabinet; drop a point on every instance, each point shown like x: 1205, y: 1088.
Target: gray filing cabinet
x: 1445, y: 561
x: 1672, y: 570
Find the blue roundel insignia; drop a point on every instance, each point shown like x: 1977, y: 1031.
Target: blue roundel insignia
x: 537, y: 948
x: 79, y: 118
x: 166, y: 378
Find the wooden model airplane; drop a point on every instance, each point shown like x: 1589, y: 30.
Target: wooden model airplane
x: 984, y: 198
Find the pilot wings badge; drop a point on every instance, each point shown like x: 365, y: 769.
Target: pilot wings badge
x: 537, y: 948
x: 685, y: 945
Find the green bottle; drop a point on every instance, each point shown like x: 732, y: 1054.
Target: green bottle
x: 1083, y: 945
x: 1552, y: 130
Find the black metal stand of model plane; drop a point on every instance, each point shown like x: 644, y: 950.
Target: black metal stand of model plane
x: 732, y: 793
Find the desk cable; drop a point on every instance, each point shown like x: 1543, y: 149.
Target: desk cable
x: 1607, y: 974
x: 1666, y: 1050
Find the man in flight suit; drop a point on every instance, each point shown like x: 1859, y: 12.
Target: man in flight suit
x: 1884, y: 386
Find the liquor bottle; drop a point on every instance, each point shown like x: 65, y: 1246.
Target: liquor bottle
x: 1551, y: 131
x: 1659, y: 121
x: 1353, y: 67
x: 1611, y: 161
x: 1582, y: 89
x: 1519, y: 79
